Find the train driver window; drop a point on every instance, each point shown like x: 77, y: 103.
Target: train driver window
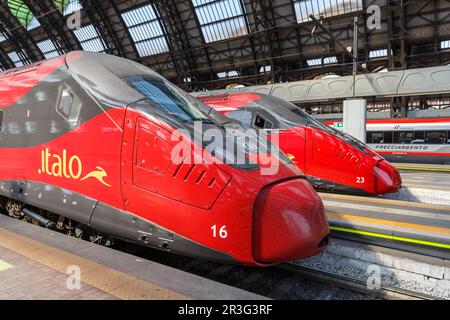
x: 435, y: 137
x: 262, y: 123
x: 244, y: 117
x: 69, y: 105
x: 406, y: 137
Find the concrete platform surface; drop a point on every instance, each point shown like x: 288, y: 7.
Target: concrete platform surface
x: 36, y: 263
x: 418, y: 227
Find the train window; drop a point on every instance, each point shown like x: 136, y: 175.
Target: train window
x: 262, y: 123
x: 69, y: 106
x: 244, y: 117
x: 436, y: 137
x: 168, y: 98
x: 1, y: 121
x: 406, y: 137
x: 375, y: 137
x: 388, y: 137
x: 448, y: 137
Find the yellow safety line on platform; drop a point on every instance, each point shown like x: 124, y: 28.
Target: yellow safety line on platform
x: 4, y: 266
x: 399, y: 224
x: 326, y: 196
x: 406, y: 168
x: 114, y: 282
x: 395, y: 238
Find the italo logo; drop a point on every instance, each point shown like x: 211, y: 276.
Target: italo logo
x: 62, y: 166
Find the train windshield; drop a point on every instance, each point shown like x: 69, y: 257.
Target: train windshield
x: 170, y: 99
x: 293, y: 115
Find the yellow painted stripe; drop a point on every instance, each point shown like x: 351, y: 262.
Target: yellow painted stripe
x: 114, y: 282
x: 399, y: 224
x: 4, y: 266
x: 397, y: 203
x: 395, y: 238
x: 422, y: 169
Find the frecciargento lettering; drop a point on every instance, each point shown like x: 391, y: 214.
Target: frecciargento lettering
x: 68, y: 167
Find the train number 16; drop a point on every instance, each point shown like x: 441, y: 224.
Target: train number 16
x: 223, y: 233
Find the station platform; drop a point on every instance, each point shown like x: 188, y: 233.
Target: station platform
x: 416, y: 227
x: 36, y: 263
x: 422, y: 167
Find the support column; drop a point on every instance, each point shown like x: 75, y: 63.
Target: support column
x: 355, y: 118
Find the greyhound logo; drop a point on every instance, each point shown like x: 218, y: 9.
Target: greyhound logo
x: 100, y: 175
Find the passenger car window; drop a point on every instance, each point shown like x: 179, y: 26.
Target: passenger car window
x: 1, y: 121
x: 388, y: 137
x: 406, y: 137
x: 375, y: 137
x: 69, y: 105
x: 436, y: 137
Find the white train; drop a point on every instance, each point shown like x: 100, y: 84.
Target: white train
x: 409, y: 140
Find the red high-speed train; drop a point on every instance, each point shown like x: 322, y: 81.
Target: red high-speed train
x: 330, y: 159
x: 86, y: 147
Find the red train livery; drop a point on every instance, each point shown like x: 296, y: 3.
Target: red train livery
x: 330, y: 159
x: 85, y: 146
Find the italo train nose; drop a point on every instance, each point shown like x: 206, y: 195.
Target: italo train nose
x: 289, y: 223
x: 388, y: 179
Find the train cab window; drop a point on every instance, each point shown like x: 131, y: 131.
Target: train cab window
x: 375, y: 137
x: 244, y: 117
x: 406, y: 137
x: 436, y: 137
x: 388, y: 137
x: 262, y: 123
x: 69, y: 106
x: 168, y: 98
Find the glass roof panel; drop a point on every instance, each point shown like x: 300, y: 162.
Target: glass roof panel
x: 324, y: 8
x: 221, y: 19
x: 48, y: 49
x: 21, y: 11
x: 13, y: 55
x: 67, y: 7
x: 90, y: 39
x: 146, y: 30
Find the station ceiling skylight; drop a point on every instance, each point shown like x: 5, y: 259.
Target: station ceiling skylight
x: 48, y: 49
x: 15, y: 59
x: 21, y: 11
x: 67, y: 7
x: 321, y: 61
x: 228, y: 74
x: 146, y: 30
x: 445, y: 44
x: 324, y: 8
x: 221, y: 19
x: 381, y: 53
x: 90, y: 39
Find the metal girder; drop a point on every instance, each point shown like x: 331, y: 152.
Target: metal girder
x: 177, y: 39
x: 18, y: 36
x: 55, y: 25
x: 95, y: 10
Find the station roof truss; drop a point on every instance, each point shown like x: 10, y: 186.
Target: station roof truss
x: 210, y: 44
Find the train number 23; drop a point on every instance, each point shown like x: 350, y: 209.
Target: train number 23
x: 360, y: 180
x: 219, y: 232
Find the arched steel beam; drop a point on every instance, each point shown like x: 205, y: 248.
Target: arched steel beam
x: 19, y: 36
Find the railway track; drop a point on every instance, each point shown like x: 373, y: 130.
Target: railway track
x: 288, y: 281
x: 384, y: 292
